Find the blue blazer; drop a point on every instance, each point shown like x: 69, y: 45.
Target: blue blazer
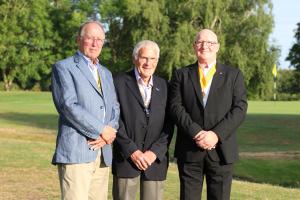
x: 83, y: 110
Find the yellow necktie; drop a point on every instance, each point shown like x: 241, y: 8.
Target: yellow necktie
x: 99, y: 83
x: 204, y: 80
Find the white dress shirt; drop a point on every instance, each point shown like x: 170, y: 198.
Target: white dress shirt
x: 207, y: 89
x: 145, y: 89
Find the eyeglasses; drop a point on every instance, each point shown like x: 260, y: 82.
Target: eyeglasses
x: 149, y: 59
x: 91, y: 40
x: 208, y: 43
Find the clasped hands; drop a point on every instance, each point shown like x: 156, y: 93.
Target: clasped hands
x: 206, y: 140
x: 107, y: 136
x: 143, y: 160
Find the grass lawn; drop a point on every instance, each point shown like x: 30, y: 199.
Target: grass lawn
x: 26, y: 173
x: 27, y: 139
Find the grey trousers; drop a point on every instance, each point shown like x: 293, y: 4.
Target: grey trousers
x: 126, y: 189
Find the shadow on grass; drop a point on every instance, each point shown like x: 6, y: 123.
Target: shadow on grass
x: 267, y: 133
x: 46, y: 121
x: 282, y: 172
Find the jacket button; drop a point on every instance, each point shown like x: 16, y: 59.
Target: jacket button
x: 101, y: 107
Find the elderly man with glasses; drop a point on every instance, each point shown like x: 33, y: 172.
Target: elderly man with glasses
x: 141, y: 147
x: 85, y: 98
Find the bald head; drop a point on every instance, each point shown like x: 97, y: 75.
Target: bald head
x: 206, y: 32
x: 90, y: 39
x: 206, y: 46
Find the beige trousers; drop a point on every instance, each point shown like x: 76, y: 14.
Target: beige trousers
x: 126, y: 189
x: 84, y: 181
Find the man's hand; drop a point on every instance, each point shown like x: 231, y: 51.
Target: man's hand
x: 108, y: 134
x: 206, y: 140
x: 139, y: 160
x: 198, y: 134
x: 150, y: 157
x: 96, y: 144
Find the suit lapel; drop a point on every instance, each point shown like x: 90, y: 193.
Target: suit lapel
x: 133, y: 87
x: 217, y: 81
x: 155, y: 98
x: 85, y: 71
x: 193, y: 73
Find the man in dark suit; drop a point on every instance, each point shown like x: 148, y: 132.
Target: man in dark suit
x: 140, y: 155
x: 208, y: 102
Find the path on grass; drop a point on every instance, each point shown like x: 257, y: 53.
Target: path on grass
x: 272, y: 155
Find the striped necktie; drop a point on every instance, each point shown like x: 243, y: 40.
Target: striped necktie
x: 99, y: 82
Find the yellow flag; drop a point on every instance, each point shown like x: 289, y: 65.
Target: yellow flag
x: 274, y: 70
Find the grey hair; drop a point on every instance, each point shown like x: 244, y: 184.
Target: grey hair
x: 142, y: 44
x: 81, y: 28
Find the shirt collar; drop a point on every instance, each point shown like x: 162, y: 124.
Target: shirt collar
x: 87, y: 60
x: 140, y: 80
x: 209, y: 65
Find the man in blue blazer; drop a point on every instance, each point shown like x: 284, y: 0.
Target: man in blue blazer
x: 84, y: 95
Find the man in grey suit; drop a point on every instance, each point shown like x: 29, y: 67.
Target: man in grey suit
x: 85, y: 98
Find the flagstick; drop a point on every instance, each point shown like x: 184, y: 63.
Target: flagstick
x: 274, y: 89
x: 274, y: 72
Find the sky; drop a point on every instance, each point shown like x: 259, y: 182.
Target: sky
x: 286, y: 16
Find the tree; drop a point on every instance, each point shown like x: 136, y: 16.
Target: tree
x: 294, y: 58
x: 66, y: 18
x: 129, y: 22
x: 243, y: 27
x: 25, y: 42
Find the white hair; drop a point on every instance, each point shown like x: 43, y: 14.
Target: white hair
x: 82, y: 29
x: 142, y: 44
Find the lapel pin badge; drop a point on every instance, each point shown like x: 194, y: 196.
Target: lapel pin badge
x: 157, y: 89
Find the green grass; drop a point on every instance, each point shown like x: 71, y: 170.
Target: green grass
x: 274, y: 107
x: 270, y: 132
x: 271, y: 127
x: 28, y: 123
x: 282, y: 172
x: 26, y: 173
x: 23, y: 109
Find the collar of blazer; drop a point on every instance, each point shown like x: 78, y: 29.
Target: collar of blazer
x: 131, y: 83
x: 216, y: 81
x: 87, y: 74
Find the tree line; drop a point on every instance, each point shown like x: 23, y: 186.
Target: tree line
x: 34, y: 34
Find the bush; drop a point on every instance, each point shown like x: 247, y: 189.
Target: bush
x: 288, y: 97
x: 14, y: 87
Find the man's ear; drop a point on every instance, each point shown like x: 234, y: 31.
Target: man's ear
x: 217, y: 47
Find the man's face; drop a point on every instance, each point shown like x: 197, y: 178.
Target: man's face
x: 146, y: 62
x: 92, y: 40
x: 206, y: 46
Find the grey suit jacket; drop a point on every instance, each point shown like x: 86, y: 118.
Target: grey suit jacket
x: 83, y: 110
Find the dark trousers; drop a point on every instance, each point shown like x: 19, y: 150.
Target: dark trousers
x: 218, y: 179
